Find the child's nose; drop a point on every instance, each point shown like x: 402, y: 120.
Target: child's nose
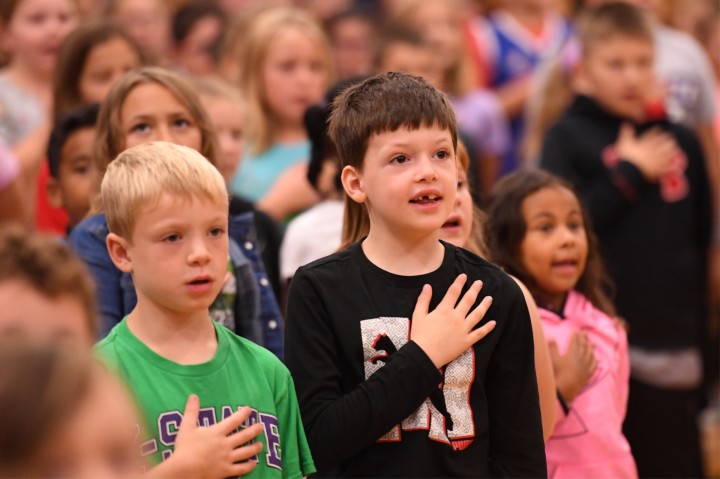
x: 425, y: 170
x: 568, y: 236
x: 199, y: 252
x: 164, y: 134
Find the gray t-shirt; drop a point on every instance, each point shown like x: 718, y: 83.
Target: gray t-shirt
x: 20, y: 112
x: 684, y: 67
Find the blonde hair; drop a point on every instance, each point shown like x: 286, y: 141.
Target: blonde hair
x: 461, y: 77
x: 220, y: 89
x: 552, y: 92
x: 266, y: 25
x: 110, y: 139
x: 141, y: 174
x: 233, y: 40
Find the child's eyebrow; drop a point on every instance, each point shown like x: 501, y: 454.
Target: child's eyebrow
x: 542, y: 214
x: 141, y: 116
x: 404, y: 144
x: 78, y: 158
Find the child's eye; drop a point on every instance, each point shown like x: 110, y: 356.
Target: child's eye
x: 140, y: 128
x: 460, y: 185
x: 287, y: 66
x: 545, y: 228
x: 36, y: 18
x: 575, y: 225
x: 181, y: 123
x: 400, y: 159
x: 216, y: 232
x: 102, y: 77
x: 442, y: 154
x: 171, y: 238
x: 81, y: 169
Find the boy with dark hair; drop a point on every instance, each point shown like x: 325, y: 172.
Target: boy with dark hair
x: 70, y: 160
x: 644, y: 182
x: 387, y: 388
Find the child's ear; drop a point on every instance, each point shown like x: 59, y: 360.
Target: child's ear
x: 118, y: 249
x: 352, y: 183
x: 580, y: 81
x: 52, y: 189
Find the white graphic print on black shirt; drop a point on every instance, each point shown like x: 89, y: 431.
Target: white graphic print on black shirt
x: 446, y: 414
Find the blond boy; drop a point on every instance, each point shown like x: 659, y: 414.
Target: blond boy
x: 166, y: 209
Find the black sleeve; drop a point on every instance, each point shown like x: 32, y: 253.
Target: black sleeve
x: 699, y: 180
x: 516, y: 447
x: 339, y: 425
x: 606, y: 197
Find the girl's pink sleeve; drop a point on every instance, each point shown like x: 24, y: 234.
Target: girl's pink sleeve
x: 623, y: 378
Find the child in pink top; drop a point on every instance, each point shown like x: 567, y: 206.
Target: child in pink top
x: 538, y: 231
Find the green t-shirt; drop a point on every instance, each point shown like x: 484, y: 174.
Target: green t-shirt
x: 240, y: 374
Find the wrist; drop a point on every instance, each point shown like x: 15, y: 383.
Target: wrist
x: 566, y: 390
x: 433, y: 355
x: 173, y: 466
x: 563, y: 402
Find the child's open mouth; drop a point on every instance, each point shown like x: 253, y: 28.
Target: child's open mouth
x: 567, y: 266
x: 200, y: 284
x: 452, y: 222
x: 426, y: 199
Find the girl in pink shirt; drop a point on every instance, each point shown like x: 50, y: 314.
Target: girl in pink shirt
x: 538, y: 231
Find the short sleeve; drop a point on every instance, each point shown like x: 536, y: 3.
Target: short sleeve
x: 296, y: 458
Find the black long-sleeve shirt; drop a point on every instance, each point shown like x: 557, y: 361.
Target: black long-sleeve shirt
x: 373, y: 403
x: 654, y: 237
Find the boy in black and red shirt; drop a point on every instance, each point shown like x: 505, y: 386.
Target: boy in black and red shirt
x: 644, y: 182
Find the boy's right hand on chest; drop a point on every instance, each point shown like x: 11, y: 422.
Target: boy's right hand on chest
x: 447, y: 331
x: 652, y: 152
x: 216, y: 451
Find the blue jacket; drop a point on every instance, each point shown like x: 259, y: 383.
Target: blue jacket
x: 256, y: 311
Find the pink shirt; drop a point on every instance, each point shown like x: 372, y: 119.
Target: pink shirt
x: 589, y: 442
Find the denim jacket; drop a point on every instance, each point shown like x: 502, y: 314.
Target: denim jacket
x: 256, y: 311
